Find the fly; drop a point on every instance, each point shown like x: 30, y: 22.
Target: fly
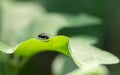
x: 43, y: 36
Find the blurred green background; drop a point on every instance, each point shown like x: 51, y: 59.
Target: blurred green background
x: 24, y: 19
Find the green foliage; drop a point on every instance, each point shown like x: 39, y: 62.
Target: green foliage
x: 84, y: 55
x: 4, y: 64
x: 89, y: 56
x: 99, y: 70
x: 64, y: 68
x: 33, y: 46
x: 5, y: 48
x: 21, y: 21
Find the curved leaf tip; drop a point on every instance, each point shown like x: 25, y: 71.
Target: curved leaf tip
x: 33, y: 46
x: 5, y: 48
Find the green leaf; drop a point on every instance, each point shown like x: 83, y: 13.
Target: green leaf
x: 83, y: 39
x: 82, y: 19
x: 5, y: 48
x: 34, y: 46
x: 87, y: 56
x: 99, y: 70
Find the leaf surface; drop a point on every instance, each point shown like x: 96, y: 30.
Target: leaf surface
x: 33, y: 46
